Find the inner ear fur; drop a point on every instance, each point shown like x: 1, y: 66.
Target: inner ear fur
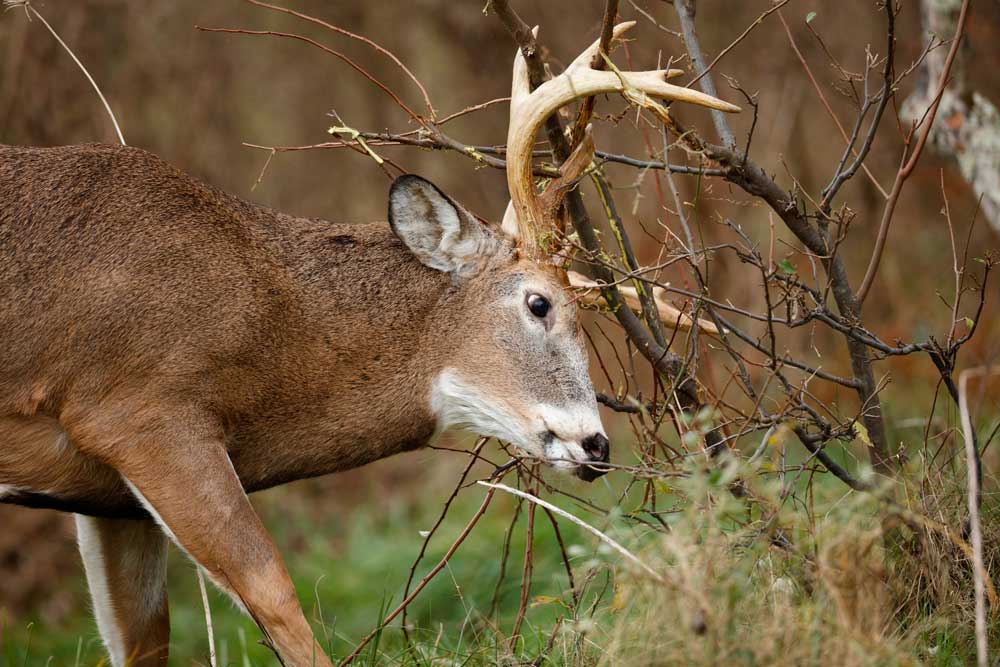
x: 436, y: 229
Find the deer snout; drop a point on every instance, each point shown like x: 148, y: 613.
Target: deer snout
x: 598, y: 449
x: 573, y: 440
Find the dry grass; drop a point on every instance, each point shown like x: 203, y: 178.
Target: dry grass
x: 842, y: 582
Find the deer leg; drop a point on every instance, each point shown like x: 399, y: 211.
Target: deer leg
x: 126, y: 565
x: 182, y: 475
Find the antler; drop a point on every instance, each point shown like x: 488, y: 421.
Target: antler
x: 672, y: 317
x: 528, y: 211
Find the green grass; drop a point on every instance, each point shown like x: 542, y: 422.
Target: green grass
x: 856, y: 586
x: 348, y: 568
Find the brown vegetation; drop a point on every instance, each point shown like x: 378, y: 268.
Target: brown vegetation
x: 767, y: 227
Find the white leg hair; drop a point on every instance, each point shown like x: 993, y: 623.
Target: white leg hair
x: 7, y: 489
x: 126, y: 565
x: 92, y: 553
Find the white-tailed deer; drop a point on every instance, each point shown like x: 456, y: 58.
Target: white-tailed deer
x: 166, y: 348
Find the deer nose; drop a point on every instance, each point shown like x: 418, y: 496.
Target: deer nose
x: 597, y: 447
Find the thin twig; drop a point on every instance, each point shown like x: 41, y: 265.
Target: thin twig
x: 526, y: 575
x: 732, y: 45
x: 473, y: 459
x: 905, y: 170
x: 423, y: 582
x: 107, y: 107
x: 842, y: 175
x: 208, y: 616
x: 347, y: 33
x: 822, y: 98
x: 337, y: 54
x: 580, y: 522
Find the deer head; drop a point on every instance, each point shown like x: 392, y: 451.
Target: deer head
x: 532, y: 387
x: 512, y: 362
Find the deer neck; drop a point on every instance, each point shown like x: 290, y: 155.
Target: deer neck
x: 360, y: 359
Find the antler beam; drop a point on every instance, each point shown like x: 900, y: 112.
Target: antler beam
x: 528, y: 213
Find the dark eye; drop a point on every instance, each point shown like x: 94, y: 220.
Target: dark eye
x: 538, y: 305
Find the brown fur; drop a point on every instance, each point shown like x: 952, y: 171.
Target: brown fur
x: 132, y: 280
x: 157, y: 332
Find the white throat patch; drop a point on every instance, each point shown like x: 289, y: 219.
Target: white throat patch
x: 457, y: 404
x: 548, y: 432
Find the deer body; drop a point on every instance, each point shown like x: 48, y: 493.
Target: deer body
x: 307, y: 339
x: 167, y: 348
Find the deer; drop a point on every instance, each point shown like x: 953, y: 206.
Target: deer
x: 167, y: 349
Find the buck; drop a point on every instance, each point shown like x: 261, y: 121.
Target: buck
x: 167, y: 348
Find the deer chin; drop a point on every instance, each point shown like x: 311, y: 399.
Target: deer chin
x: 568, y: 457
x: 561, y: 455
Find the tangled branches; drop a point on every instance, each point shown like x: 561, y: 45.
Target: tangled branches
x: 779, y: 366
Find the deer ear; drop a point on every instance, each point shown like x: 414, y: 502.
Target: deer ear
x: 442, y: 234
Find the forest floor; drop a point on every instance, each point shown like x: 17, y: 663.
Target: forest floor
x: 758, y: 568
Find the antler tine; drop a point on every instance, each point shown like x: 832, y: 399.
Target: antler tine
x: 520, y: 184
x: 520, y: 89
x: 530, y: 109
x: 670, y: 316
x: 520, y: 84
x: 586, y: 56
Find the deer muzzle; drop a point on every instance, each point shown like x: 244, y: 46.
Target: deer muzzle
x: 598, y: 449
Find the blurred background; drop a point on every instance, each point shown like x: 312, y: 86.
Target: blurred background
x: 196, y: 98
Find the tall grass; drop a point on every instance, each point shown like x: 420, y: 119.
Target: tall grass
x: 761, y: 568
x: 847, y: 580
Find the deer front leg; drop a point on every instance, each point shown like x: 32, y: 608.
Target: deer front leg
x: 180, y: 471
x: 126, y: 565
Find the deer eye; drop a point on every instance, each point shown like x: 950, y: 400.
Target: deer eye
x: 538, y: 305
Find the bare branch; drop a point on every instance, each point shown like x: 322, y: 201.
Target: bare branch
x: 907, y: 168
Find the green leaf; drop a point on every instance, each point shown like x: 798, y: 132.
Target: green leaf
x: 862, y: 434
x: 969, y: 323
x: 544, y: 599
x: 662, y: 487
x: 810, y: 16
x: 787, y: 266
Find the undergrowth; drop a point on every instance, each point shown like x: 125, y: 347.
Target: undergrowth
x: 759, y: 568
